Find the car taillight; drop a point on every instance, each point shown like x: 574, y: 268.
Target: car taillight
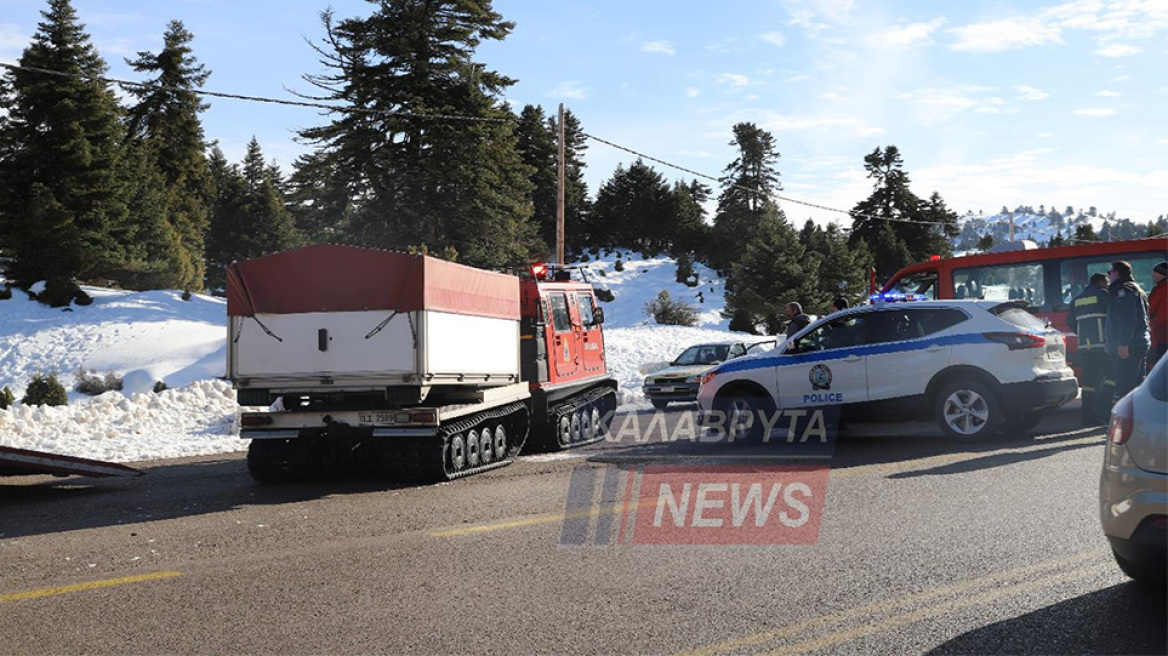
x: 1121, y: 421
x: 1015, y: 341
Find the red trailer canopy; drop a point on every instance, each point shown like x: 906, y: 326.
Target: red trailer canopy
x: 332, y: 278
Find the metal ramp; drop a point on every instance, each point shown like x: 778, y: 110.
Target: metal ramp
x: 22, y: 462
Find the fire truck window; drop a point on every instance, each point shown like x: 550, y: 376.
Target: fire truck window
x: 584, y: 302
x: 1076, y: 272
x: 560, y: 313
x: 1005, y: 282
x: 921, y: 282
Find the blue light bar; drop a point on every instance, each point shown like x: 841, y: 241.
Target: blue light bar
x: 896, y: 297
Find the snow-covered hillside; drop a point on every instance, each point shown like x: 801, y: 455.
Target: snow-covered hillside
x: 643, y: 278
x: 1042, y: 224
x: 146, y: 337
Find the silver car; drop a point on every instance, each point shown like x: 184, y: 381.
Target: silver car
x: 680, y: 380
x: 1133, y: 489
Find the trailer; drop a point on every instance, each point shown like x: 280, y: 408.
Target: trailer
x: 409, y: 365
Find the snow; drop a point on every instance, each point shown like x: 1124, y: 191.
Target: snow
x: 643, y: 279
x: 146, y: 337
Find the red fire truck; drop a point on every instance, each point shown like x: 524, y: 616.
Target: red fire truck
x: 1048, y: 279
x: 422, y: 368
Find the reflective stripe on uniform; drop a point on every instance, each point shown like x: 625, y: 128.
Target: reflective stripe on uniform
x: 1085, y: 300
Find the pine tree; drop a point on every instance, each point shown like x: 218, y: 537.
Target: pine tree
x: 1085, y: 233
x: 166, y: 117
x: 747, y: 186
x: 691, y: 233
x: 634, y: 208
x: 537, y: 136
x: 772, y: 272
x: 410, y: 177
x: 249, y: 218
x: 59, y: 156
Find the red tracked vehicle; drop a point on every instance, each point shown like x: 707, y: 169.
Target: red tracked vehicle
x: 429, y: 370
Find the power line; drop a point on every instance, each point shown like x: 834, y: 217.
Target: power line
x: 446, y: 117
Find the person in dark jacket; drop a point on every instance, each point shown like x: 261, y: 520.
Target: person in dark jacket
x: 1088, y: 313
x: 1126, y: 329
x: 1158, y: 312
x: 796, y: 320
x: 840, y: 303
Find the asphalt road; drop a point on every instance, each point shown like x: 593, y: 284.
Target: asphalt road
x: 923, y: 546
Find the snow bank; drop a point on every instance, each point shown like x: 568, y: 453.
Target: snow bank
x: 198, y: 419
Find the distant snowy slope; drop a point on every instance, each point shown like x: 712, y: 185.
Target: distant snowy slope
x: 643, y: 279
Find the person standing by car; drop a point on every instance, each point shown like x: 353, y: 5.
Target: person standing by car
x: 1088, y: 312
x: 840, y: 303
x: 1126, y: 328
x: 1158, y: 312
x: 796, y: 320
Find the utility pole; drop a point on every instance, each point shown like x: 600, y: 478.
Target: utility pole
x: 560, y: 193
x: 1011, y: 227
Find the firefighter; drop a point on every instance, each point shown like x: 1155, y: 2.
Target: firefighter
x: 1088, y: 312
x: 1126, y: 329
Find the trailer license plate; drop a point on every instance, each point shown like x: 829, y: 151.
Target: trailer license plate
x: 374, y: 419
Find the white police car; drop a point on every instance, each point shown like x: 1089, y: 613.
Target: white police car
x: 976, y: 366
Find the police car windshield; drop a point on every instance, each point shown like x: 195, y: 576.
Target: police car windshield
x: 703, y: 354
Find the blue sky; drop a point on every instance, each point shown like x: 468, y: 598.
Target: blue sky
x: 991, y: 103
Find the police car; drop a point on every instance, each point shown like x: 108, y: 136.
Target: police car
x: 977, y: 367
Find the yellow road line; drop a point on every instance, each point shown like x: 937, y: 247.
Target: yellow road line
x: 530, y: 521
x: 889, y: 604
x: 92, y: 585
x: 934, y: 611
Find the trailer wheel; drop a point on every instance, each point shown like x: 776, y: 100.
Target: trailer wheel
x: 500, y: 442
x: 457, y: 452
x: 472, y: 448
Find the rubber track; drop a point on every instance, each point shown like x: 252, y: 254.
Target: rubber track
x: 569, y: 407
x: 446, y: 432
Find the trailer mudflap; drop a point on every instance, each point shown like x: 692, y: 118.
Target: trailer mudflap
x: 21, y: 462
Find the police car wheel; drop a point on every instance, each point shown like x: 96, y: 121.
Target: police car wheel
x: 968, y: 410
x: 744, y: 417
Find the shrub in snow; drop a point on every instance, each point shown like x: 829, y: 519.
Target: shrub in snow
x: 585, y: 258
x: 5, y: 293
x: 668, y: 312
x: 7, y: 398
x: 92, y: 384
x: 45, y: 389
x: 186, y: 295
x: 605, y: 295
x: 59, y: 292
x: 82, y: 298
x: 602, y: 273
x: 620, y: 265
x: 159, y: 387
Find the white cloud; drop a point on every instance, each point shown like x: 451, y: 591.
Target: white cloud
x: 797, y: 77
x: 914, y: 34
x: 692, y: 92
x: 774, y: 38
x: 1113, y: 22
x: 776, y: 122
x: 1030, y: 93
x: 735, y: 80
x: 1002, y: 35
x: 934, y: 105
x: 569, y: 89
x: 1095, y: 112
x: 1044, y: 135
x: 1117, y: 50
x: 659, y: 47
x: 1108, y: 94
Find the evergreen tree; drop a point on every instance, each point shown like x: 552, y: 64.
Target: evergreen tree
x: 409, y: 177
x: 166, y: 117
x: 634, y: 208
x: 59, y: 156
x: 748, y: 184
x: 1085, y: 233
x: 691, y: 233
x: 985, y: 243
x: 537, y: 136
x: 842, y: 270
x: 772, y: 272
x: 249, y: 218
